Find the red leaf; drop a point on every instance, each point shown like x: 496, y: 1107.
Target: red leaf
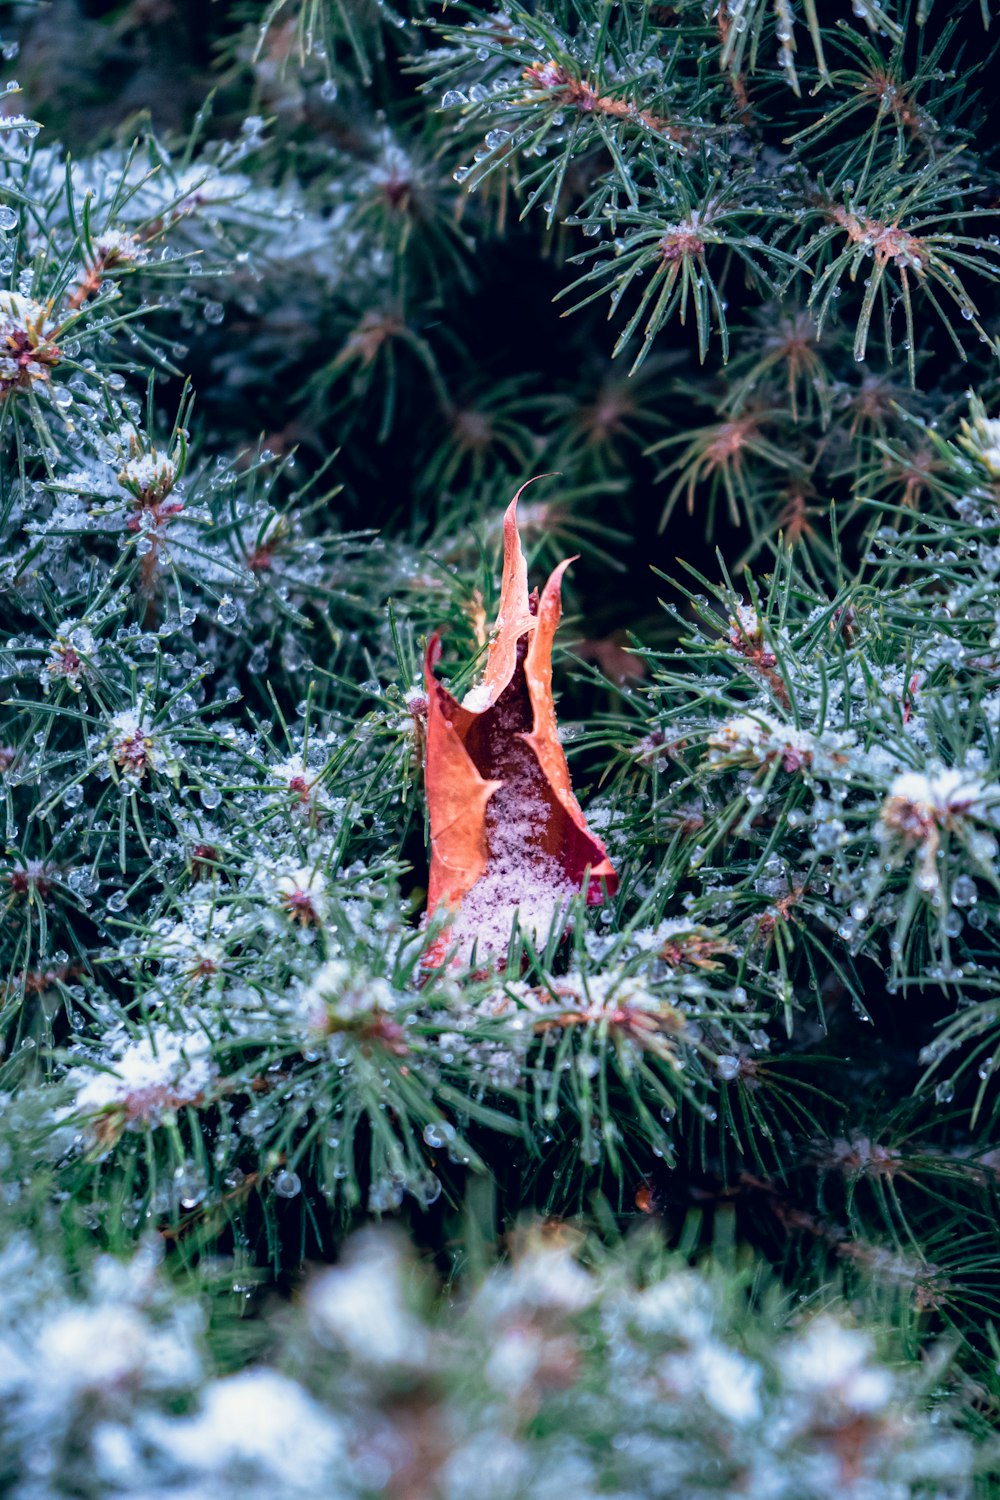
x: 507, y: 833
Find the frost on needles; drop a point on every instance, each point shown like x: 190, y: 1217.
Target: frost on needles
x: 441, y: 1056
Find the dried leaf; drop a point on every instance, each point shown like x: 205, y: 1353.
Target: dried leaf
x: 507, y: 834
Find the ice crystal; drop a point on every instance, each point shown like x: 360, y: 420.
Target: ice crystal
x: 27, y: 347
x: 146, y: 1077
x: 134, y: 745
x: 303, y: 895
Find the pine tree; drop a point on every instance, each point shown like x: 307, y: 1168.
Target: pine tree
x: 423, y: 1074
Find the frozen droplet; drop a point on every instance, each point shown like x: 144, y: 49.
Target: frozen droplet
x: 590, y: 1151
x: 117, y: 901
x: 210, y: 796
x: 189, y: 1187
x: 945, y: 1092
x: 227, y: 611
x: 8, y: 218
x: 287, y: 1184
x: 385, y: 1196
x: 213, y: 312
x: 428, y: 1189
x: 727, y: 1066
x: 452, y: 99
